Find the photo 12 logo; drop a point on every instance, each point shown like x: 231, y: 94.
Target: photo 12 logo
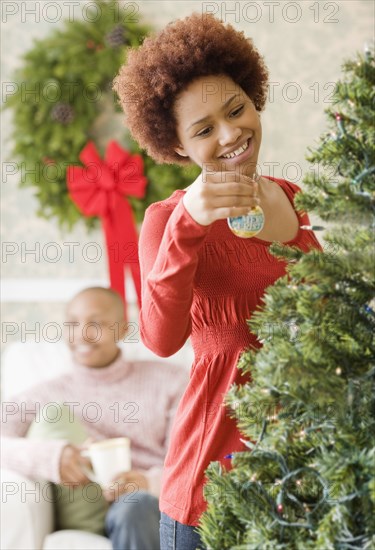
x: 290, y: 12
x: 53, y: 12
x: 53, y: 332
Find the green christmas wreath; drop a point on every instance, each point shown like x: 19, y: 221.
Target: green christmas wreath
x: 59, y: 93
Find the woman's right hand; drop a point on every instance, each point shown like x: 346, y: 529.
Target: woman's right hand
x: 219, y: 195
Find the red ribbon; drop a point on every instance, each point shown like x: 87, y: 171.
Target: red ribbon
x: 100, y: 189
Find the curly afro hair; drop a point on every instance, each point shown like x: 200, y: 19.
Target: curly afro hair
x: 165, y: 64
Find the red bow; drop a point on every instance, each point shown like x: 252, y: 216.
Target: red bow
x: 99, y: 189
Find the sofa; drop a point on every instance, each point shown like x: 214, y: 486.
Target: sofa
x: 26, y: 511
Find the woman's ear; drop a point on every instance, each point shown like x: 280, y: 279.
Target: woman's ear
x: 181, y: 151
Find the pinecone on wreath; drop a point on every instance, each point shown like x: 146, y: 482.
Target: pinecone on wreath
x: 115, y: 37
x: 63, y: 113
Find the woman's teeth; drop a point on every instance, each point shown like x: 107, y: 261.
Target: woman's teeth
x: 237, y: 151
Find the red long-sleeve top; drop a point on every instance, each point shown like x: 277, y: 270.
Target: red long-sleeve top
x: 203, y: 282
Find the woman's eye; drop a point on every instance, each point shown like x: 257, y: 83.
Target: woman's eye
x: 237, y: 111
x: 204, y: 132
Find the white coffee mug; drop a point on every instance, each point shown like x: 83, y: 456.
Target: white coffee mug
x: 109, y: 458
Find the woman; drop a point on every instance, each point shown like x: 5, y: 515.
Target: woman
x: 194, y: 93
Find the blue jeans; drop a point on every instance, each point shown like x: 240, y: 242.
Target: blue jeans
x: 177, y: 536
x: 132, y: 522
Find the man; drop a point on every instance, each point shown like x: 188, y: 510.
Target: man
x: 107, y: 397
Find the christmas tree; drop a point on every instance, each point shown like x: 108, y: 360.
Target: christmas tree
x: 308, y: 415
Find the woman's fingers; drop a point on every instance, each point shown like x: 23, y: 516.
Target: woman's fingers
x: 232, y: 212
x: 230, y: 189
x: 235, y: 201
x: 215, y: 198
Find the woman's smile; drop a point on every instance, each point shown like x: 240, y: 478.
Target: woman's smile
x: 238, y: 150
x: 240, y: 154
